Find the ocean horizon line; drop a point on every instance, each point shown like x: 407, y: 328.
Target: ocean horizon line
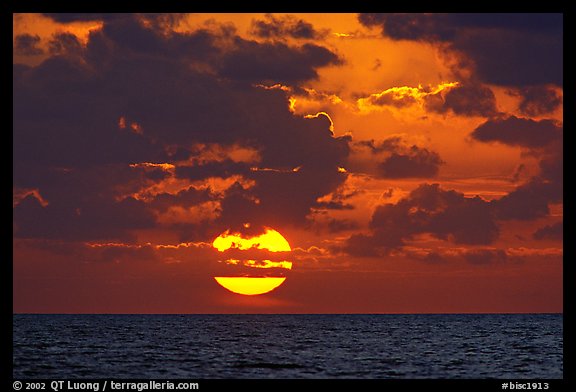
x: 289, y: 314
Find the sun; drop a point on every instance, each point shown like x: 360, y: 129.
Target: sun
x: 257, y: 262
x: 249, y: 285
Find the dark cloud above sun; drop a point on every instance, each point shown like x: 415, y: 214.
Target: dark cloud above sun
x: 130, y: 96
x: 287, y: 26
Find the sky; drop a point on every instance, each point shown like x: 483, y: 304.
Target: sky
x: 412, y: 162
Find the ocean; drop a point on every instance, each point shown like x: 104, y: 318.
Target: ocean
x: 470, y: 346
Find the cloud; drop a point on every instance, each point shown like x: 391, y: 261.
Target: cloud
x: 280, y: 27
x: 63, y: 117
x: 280, y: 198
x: 543, y: 140
x: 101, y: 219
x: 109, y: 131
x: 65, y: 44
x: 405, y: 96
x: 552, y: 165
x: 156, y: 20
x: 333, y: 225
x: 398, y: 97
x: 518, y: 173
x: 185, y: 198
x: 215, y: 47
x: 222, y: 169
x: 397, y: 159
x: 538, y: 100
x: 550, y: 232
x: 527, y: 202
x: 517, y: 131
x: 255, y: 62
x: 532, y: 199
x: 418, y: 162
x: 376, y: 244
x: 504, y: 49
x: 444, y: 214
x: 70, y: 17
x: 132, y: 35
x: 27, y: 45
x: 465, y: 100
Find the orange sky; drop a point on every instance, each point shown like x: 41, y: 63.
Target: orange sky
x: 139, y: 139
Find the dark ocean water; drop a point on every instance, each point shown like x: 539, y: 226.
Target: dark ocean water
x: 288, y: 346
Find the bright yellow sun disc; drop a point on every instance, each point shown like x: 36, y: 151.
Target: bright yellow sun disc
x: 271, y: 241
x: 249, y: 286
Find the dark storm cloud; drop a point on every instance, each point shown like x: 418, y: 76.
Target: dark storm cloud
x: 307, y: 143
x: 251, y: 61
x: 552, y: 165
x: 518, y: 172
x: 157, y: 66
x: 132, y: 35
x: 506, y: 49
x: 129, y: 73
x: 222, y: 169
x: 285, y: 26
x: 70, y: 17
x: 83, y: 203
x: 532, y: 199
x: 27, y: 45
x: 543, y: 139
x: 133, y: 94
x: 550, y: 232
x: 538, y: 100
x: 156, y: 174
x: 185, y: 198
x: 446, y: 27
x: 280, y: 198
x: 529, y: 201
x: 333, y: 225
x: 517, y: 131
x: 379, y: 243
x: 243, y: 60
x: 289, y: 196
x: 157, y: 20
x: 65, y: 44
x: 239, y: 206
x: 465, y: 100
x: 446, y: 215
x: 100, y: 219
x: 417, y: 163
x: 64, y: 116
x: 399, y: 160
